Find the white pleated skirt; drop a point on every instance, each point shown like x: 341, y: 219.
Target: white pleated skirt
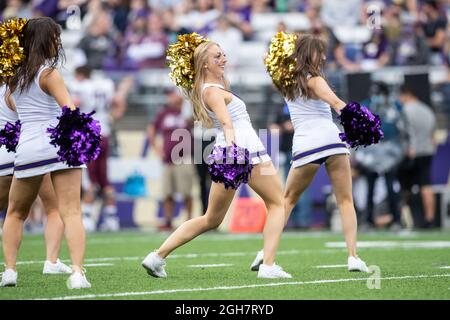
x: 34, y: 154
x: 316, y: 139
x: 246, y: 137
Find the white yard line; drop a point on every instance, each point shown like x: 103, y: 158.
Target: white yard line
x: 331, y: 266
x: 394, y: 244
x: 444, y: 267
x: 98, y: 265
x: 210, y: 265
x: 179, y: 256
x: 151, y: 237
x: 226, y: 288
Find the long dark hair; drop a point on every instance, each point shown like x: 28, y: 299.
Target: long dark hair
x: 309, y: 50
x: 41, y: 41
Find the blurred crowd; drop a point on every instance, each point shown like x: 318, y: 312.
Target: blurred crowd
x: 133, y: 34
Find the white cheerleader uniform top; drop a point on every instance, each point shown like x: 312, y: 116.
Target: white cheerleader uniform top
x: 37, y: 112
x: 245, y: 135
x: 315, y: 134
x: 6, y: 115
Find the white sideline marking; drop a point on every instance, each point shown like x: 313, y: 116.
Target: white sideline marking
x: 187, y: 255
x: 394, y: 244
x: 210, y: 265
x: 332, y: 266
x: 444, y: 267
x: 272, y: 284
x: 98, y: 264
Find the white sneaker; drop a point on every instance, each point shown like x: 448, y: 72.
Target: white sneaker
x: 89, y: 224
x: 258, y: 261
x: 9, y: 278
x: 154, y: 265
x: 110, y: 224
x: 356, y: 264
x: 78, y: 281
x: 273, y: 271
x: 56, y: 268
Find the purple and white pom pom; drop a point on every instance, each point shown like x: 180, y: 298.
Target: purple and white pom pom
x: 9, y: 136
x: 78, y: 137
x: 361, y: 127
x: 230, y: 165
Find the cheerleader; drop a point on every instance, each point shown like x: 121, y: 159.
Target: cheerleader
x: 54, y: 229
x: 38, y: 92
x: 213, y: 104
x: 316, y: 139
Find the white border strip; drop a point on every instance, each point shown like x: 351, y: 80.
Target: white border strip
x: 272, y: 284
x: 188, y: 256
x: 394, y: 244
x: 331, y: 266
x: 218, y: 265
x: 98, y: 265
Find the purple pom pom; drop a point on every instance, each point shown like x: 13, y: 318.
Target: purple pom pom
x: 78, y: 137
x: 230, y: 165
x: 9, y: 136
x: 361, y: 127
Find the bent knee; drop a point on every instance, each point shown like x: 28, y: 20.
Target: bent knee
x: 212, y: 222
x: 344, y: 200
x: 291, y: 197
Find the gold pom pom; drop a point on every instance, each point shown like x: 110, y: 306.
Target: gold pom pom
x: 11, y: 53
x: 180, y: 59
x: 278, y: 66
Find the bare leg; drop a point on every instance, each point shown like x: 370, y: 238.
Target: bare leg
x: 266, y: 183
x: 54, y: 230
x: 169, y: 208
x: 21, y: 196
x: 188, y: 206
x: 219, y: 202
x: 5, y: 185
x: 67, y: 186
x: 338, y: 168
x: 297, y: 181
x: 428, y: 202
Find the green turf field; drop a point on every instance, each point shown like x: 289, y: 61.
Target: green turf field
x: 216, y: 266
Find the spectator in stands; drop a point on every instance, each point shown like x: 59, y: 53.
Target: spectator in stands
x: 99, y: 43
x: 134, y: 36
x: 172, y: 27
x: 375, y: 52
x: 150, y: 52
x: 336, y: 13
x: 119, y: 12
x: 46, y: 8
x: 229, y: 39
x: 201, y: 18
x: 239, y: 14
x: 336, y: 57
x: 98, y: 95
x: 262, y: 6
x: 410, y: 49
x: 17, y: 8
x: 434, y: 27
x: 383, y: 159
x: 416, y: 170
x: 177, y: 178
x: 177, y: 5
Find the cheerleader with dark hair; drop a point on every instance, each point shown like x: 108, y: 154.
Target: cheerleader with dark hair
x: 295, y: 64
x: 37, y: 90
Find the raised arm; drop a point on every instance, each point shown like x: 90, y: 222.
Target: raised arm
x: 322, y: 90
x: 214, y: 98
x: 52, y: 83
